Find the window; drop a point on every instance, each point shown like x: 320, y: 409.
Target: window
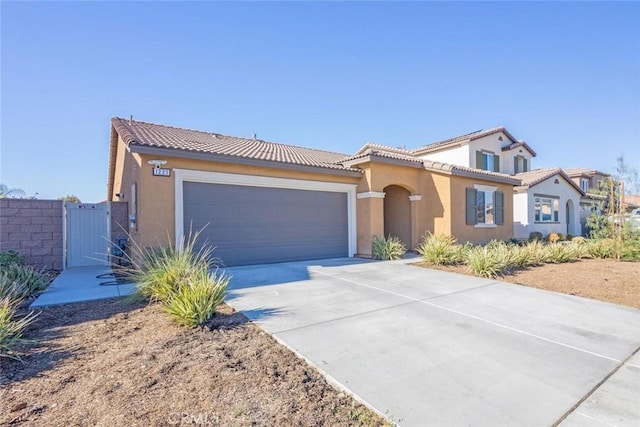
x: 520, y: 164
x: 584, y: 184
x: 546, y: 209
x: 487, y: 161
x: 484, y: 206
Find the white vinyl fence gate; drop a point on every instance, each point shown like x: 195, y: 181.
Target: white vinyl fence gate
x: 86, y: 234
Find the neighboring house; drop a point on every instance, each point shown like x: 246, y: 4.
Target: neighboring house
x: 492, y: 150
x: 267, y: 202
x: 590, y: 182
x: 547, y: 201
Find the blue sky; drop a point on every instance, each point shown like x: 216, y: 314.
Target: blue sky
x: 565, y: 77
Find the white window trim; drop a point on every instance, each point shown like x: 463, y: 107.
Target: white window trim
x: 486, y: 188
x: 188, y: 175
x: 553, y: 211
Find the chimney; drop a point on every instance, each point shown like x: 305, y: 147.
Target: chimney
x: 255, y: 136
x: 131, y: 119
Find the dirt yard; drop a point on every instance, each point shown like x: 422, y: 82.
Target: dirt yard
x: 109, y: 363
x: 601, y: 279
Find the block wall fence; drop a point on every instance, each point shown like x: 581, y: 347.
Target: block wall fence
x: 34, y: 229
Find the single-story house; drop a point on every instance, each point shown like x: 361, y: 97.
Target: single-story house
x: 547, y: 201
x: 263, y: 202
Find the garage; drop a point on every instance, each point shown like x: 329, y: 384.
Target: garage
x: 266, y: 223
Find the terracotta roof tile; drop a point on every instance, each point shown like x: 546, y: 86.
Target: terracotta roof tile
x: 536, y: 176
x: 573, y: 172
x: 160, y: 136
x: 462, y: 139
x: 514, y: 145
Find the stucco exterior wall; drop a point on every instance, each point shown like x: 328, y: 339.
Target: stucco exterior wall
x: 564, y: 192
x: 493, y: 144
x: 454, y: 156
x: 156, y: 194
x: 474, y: 233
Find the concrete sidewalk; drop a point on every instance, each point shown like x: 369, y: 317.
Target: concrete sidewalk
x: 434, y: 348
x: 81, y: 284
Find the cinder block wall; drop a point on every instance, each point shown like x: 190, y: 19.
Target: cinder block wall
x: 33, y: 228
x: 119, y: 222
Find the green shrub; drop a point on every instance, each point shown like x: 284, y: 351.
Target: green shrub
x: 485, y: 261
x: 553, y: 237
x: 9, y: 258
x: 631, y: 250
x: 579, y: 239
x: 601, y: 248
x: 557, y: 253
x: 158, y: 272
x: 12, y: 329
x: 577, y: 250
x: 440, y: 249
x: 569, y: 237
x: 20, y: 281
x: 517, y: 256
x: 196, y: 299
x: 536, y: 253
x: 535, y: 236
x: 388, y: 248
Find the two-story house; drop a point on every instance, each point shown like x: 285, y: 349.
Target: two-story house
x: 590, y: 182
x: 546, y: 201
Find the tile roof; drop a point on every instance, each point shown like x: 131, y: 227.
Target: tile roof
x: 381, y: 151
x: 139, y: 133
x: 536, y: 176
x: 573, y: 172
x: 463, y: 170
x: 462, y: 139
x: 514, y: 145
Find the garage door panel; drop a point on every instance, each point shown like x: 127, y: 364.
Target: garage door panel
x: 250, y: 225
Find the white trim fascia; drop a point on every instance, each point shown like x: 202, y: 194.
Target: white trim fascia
x: 371, y: 195
x: 484, y: 188
x: 415, y: 198
x: 188, y: 175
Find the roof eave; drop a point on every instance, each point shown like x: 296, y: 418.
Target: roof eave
x: 381, y: 159
x: 113, y: 151
x: 225, y: 158
x: 493, y: 178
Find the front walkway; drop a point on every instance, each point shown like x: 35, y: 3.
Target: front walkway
x: 428, y: 347
x: 81, y: 284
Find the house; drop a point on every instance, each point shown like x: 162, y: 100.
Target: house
x: 590, y: 182
x: 261, y: 201
x: 547, y: 201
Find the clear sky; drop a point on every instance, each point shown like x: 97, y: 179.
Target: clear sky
x: 565, y: 77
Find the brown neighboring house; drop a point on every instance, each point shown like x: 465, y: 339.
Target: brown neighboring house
x: 261, y: 201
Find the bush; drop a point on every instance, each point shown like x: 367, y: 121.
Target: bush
x: 601, y: 248
x: 158, y: 272
x: 553, y: 237
x: 579, y: 240
x: 557, y: 253
x: 196, y: 300
x: 536, y: 253
x: 569, y: 237
x: 485, y: 261
x: 440, y: 249
x: 12, y: 330
x: 535, y: 236
x: 388, y: 248
x: 20, y: 282
x: 10, y: 258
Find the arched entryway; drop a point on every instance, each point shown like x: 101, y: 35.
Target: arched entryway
x: 569, y: 208
x: 397, y: 213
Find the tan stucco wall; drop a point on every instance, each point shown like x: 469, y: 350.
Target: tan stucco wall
x: 156, y: 194
x: 440, y: 210
x: 471, y: 233
x: 397, y: 213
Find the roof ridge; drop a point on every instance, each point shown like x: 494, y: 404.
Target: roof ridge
x: 224, y: 135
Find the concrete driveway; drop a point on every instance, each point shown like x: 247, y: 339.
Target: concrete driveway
x: 427, y: 347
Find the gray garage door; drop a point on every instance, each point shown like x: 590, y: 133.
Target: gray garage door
x: 253, y: 225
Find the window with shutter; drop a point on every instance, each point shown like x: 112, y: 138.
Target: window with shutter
x: 499, y: 207
x: 471, y: 206
x: 496, y: 163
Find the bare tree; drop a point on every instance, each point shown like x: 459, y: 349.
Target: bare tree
x: 11, y: 193
x: 627, y: 174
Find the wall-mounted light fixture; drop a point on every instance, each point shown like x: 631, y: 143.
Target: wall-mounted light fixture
x: 157, y: 163
x: 120, y: 195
